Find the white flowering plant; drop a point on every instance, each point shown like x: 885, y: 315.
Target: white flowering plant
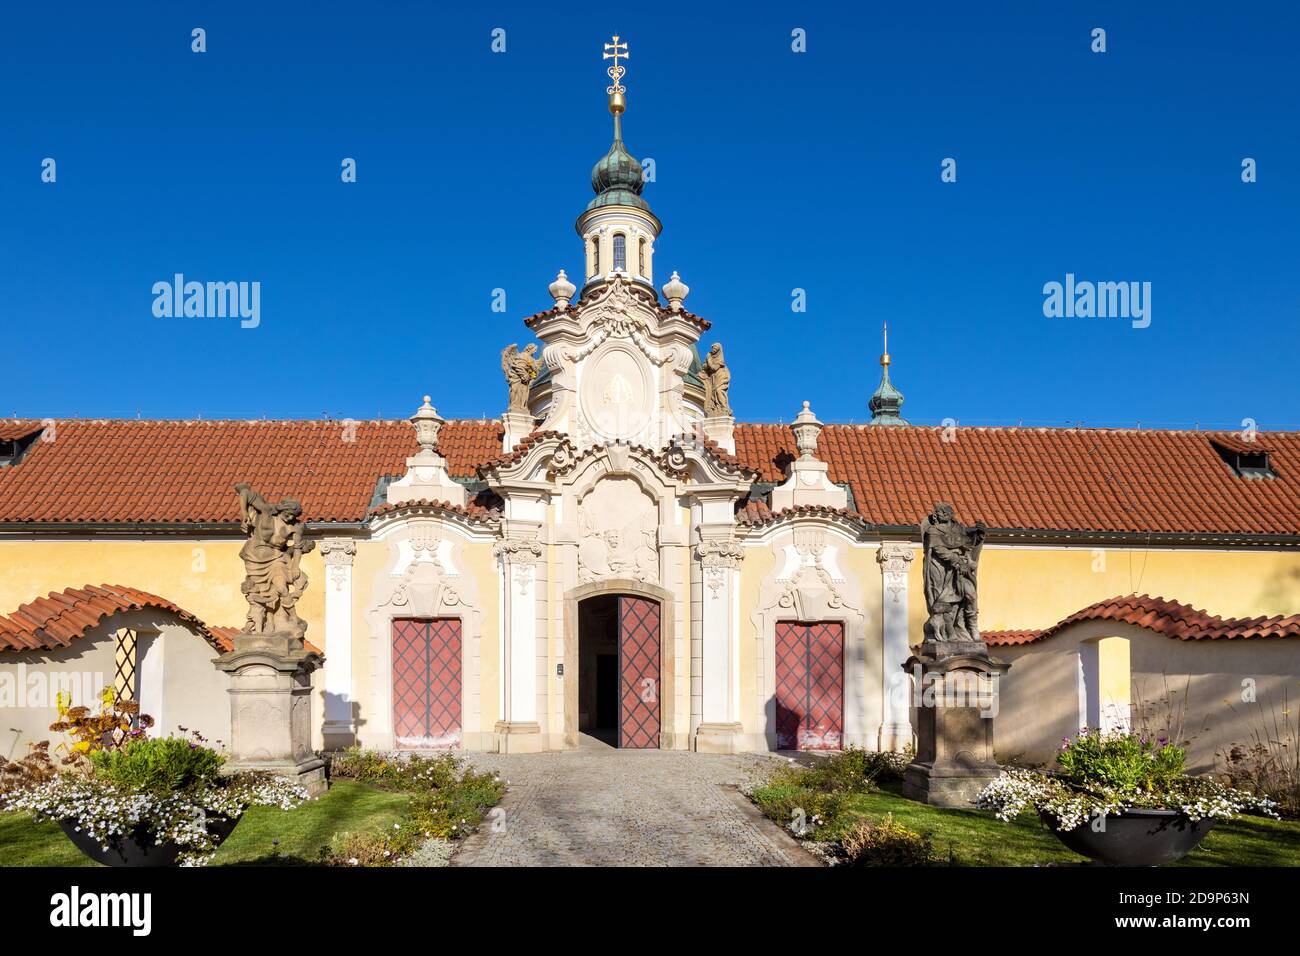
x: 1105, y: 773
x: 168, y: 790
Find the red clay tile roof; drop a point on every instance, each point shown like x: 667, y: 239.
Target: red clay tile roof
x: 11, y: 428
x: 482, y: 507
x: 1234, y: 442
x: 1181, y: 621
x: 754, y: 513
x: 1048, y: 479
x: 518, y: 453
x: 1039, y: 479
x: 64, y: 616
x: 122, y: 471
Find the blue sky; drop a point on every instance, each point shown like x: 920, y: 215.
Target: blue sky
x: 775, y: 170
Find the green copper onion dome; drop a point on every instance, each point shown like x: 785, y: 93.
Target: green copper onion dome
x: 618, y: 179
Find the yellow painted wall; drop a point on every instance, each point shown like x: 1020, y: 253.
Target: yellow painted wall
x: 1034, y: 588
x: 201, y: 576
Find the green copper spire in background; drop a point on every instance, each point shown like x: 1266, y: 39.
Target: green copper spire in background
x: 886, y: 401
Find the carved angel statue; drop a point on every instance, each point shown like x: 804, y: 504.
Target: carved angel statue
x: 272, y: 555
x: 520, y: 369
x: 717, y: 382
x: 951, y: 558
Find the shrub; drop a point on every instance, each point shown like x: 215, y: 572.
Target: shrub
x: 1123, y: 763
x: 36, y: 767
x: 117, y: 723
x: 886, y: 843
x: 448, y: 801
x: 1268, y: 764
x: 160, y: 765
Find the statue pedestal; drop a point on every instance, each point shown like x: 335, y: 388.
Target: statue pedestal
x: 722, y: 430
x: 957, y: 699
x: 518, y: 426
x: 270, y: 708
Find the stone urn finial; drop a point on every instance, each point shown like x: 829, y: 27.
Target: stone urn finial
x: 676, y: 291
x: 562, y: 291
x: 427, y: 424
x: 806, y: 428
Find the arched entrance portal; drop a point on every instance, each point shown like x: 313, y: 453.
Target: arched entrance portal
x: 618, y: 685
x: 618, y: 670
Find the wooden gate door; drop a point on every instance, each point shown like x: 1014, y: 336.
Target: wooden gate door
x: 809, y: 686
x: 426, y: 683
x: 638, y: 673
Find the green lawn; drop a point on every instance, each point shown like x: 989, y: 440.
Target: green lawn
x: 303, y: 832
x: 977, y: 838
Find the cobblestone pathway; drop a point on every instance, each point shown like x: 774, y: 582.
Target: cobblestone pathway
x: 598, y: 806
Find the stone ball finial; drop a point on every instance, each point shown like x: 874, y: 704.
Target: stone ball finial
x: 806, y: 429
x: 427, y: 424
x: 676, y: 291
x: 562, y: 291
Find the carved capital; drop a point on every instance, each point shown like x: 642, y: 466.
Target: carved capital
x: 894, y: 558
x: 338, y: 552
x: 518, y: 550
x: 719, y: 553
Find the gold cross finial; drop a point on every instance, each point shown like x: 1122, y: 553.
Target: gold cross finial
x: 616, y: 71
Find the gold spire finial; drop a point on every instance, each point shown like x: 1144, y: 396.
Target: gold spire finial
x: 884, y: 358
x: 617, y: 101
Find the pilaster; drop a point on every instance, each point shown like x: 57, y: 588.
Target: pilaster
x: 340, y: 721
x: 896, y: 728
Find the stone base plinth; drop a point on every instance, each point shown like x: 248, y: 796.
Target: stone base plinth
x: 519, y: 737
x: 270, y: 708
x: 721, y: 429
x: 719, y: 738
x: 957, y: 687
x: 518, y: 426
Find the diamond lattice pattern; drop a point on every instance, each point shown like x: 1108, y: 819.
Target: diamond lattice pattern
x: 638, y: 652
x: 426, y: 683
x: 809, y: 685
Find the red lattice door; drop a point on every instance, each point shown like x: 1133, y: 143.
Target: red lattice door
x: 426, y: 683
x: 638, y: 673
x: 809, y: 686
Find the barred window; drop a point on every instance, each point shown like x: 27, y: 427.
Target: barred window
x: 620, y: 253
x: 124, y: 677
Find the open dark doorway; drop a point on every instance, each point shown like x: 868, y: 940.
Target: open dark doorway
x: 598, y: 668
x: 619, y: 671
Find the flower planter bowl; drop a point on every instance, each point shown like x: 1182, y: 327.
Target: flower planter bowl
x: 139, y: 849
x: 1136, y: 837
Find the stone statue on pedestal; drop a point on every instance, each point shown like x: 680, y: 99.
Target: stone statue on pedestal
x: 520, y: 369
x: 956, y: 682
x: 717, y: 382
x: 272, y: 555
x: 951, y: 558
x: 269, y: 667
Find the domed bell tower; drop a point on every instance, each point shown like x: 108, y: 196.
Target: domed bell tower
x: 618, y: 229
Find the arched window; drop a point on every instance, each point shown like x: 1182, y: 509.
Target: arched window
x: 595, y: 255
x: 620, y: 253
x: 641, y: 259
